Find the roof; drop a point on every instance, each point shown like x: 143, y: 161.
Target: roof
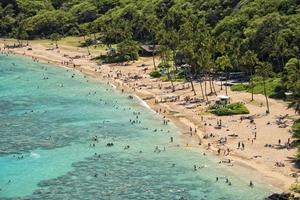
x: 149, y: 48
x: 223, y: 97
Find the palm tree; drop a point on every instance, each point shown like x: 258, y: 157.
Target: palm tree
x: 55, y: 37
x: 250, y: 60
x: 84, y: 29
x: 187, y: 48
x: 151, y: 23
x: 165, y: 56
x: 293, y: 81
x: 264, y: 70
x: 224, y: 64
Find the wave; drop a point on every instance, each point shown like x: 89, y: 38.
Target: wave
x: 35, y: 155
x: 143, y: 103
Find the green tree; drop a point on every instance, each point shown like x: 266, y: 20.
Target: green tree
x: 46, y: 23
x: 293, y: 81
x: 264, y: 70
x: 55, y: 37
x: 250, y: 60
x: 224, y: 64
x: 85, y: 32
x: 128, y: 47
x: 166, y: 56
x: 151, y: 24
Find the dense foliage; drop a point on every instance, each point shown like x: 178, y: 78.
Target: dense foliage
x: 230, y: 109
x: 259, y: 37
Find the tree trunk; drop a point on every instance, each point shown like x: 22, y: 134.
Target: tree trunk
x: 88, y: 50
x: 170, y: 78
x: 205, y: 89
x: 192, y: 84
x: 221, y: 84
x: 227, y: 73
x: 153, y: 52
x: 173, y: 87
x: 252, y: 85
x: 153, y: 57
x: 213, y: 86
x: 201, y: 87
x: 174, y: 60
x: 267, y: 101
x: 210, y: 84
x: 252, y: 90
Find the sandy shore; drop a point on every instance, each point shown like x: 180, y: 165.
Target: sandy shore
x: 134, y: 78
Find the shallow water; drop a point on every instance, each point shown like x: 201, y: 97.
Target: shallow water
x: 47, y: 123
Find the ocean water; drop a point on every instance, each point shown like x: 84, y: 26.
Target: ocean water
x: 49, y: 118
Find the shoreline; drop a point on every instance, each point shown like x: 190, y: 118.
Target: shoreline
x: 182, y: 120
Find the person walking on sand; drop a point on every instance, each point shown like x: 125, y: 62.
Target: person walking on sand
x: 171, y: 139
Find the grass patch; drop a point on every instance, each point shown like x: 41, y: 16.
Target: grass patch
x: 155, y: 74
x: 231, y: 109
x: 118, y: 58
x: 165, y: 78
x: 239, y: 87
x: 69, y: 43
x: 296, y: 125
x: 273, y: 87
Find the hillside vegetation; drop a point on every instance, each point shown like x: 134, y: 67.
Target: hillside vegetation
x: 259, y: 37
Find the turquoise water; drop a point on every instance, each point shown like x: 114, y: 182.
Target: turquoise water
x: 48, y: 119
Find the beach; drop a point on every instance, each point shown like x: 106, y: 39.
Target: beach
x: 134, y: 79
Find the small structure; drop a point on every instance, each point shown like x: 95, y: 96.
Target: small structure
x: 148, y: 50
x: 222, y: 100
x: 111, y: 52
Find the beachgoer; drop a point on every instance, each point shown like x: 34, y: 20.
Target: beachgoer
x: 251, y: 184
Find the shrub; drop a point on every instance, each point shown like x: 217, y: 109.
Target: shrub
x: 239, y: 87
x: 296, y: 125
x: 155, y: 74
x: 231, y: 109
x: 295, y: 187
x: 164, y: 65
x: 118, y: 58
